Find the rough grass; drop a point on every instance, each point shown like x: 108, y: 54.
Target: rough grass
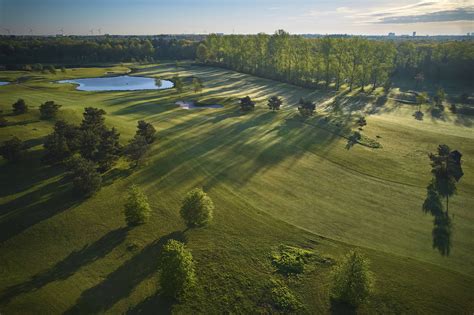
x: 273, y: 179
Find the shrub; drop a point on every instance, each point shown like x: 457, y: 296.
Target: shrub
x: 87, y: 181
x: 362, y: 121
x: 246, y: 103
x: 137, y: 210
x: 12, y: 149
x: 197, y: 208
x: 352, y: 279
x: 283, y: 298
x: 49, y: 109
x: 306, y: 108
x: 274, y: 103
x: 20, y: 107
x: 290, y: 260
x: 177, y: 269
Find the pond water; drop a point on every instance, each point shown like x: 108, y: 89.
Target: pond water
x: 4, y: 83
x: 118, y: 83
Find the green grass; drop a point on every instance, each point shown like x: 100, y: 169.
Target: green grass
x: 274, y: 178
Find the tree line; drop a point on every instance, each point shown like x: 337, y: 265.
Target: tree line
x: 19, y: 52
x: 327, y: 61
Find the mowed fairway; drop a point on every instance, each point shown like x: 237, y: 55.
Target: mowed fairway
x: 274, y: 179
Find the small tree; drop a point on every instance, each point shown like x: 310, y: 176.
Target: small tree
x: 177, y: 269
x: 146, y: 130
x: 352, y: 279
x: 202, y: 53
x: 136, y: 149
x: 137, y: 209
x: 197, y: 85
x: 306, y: 108
x: 86, y: 179
x: 12, y: 149
x: 49, y: 109
x: 62, y: 142
x: 178, y: 84
x: 20, y: 107
x: 247, y: 104
x: 274, y: 103
x: 197, y: 208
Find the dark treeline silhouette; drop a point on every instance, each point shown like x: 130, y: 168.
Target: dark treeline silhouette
x: 355, y: 61
x: 19, y: 51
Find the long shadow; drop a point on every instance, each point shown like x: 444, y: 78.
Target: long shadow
x: 121, y: 282
x: 27, y: 173
x: 341, y: 308
x: 32, y: 208
x: 69, y: 265
x: 155, y: 304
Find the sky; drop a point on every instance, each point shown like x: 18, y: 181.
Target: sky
x: 147, y: 17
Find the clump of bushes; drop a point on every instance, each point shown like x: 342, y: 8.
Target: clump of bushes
x: 282, y: 297
x: 306, y: 108
x: 291, y: 260
x: 246, y: 104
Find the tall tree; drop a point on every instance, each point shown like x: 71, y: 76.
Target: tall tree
x: 146, y: 130
x: 49, y: 109
x: 447, y: 171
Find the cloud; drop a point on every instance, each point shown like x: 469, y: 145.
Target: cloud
x: 420, y: 12
x: 440, y: 16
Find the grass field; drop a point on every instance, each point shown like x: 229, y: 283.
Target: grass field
x: 274, y: 178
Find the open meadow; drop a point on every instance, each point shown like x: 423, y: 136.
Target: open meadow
x: 275, y: 178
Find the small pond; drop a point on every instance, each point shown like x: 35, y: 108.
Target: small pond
x: 4, y: 83
x: 119, y: 83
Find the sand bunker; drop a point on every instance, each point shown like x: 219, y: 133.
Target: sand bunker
x: 191, y: 105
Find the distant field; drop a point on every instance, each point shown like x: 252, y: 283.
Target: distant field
x: 274, y: 178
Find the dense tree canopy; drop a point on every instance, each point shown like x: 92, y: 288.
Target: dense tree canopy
x: 177, y: 269
x: 12, y: 149
x: 197, y: 208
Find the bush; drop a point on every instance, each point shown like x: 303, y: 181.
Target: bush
x: 247, y: 104
x: 274, y: 103
x: 177, y: 269
x: 49, y: 109
x: 20, y: 107
x: 283, y: 298
x: 12, y: 149
x: 87, y: 181
x: 352, y: 279
x: 137, y: 210
x: 197, y: 208
x: 290, y: 260
x: 306, y: 108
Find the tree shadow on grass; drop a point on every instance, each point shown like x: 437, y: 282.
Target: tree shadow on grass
x: 121, y: 282
x: 341, y: 308
x: 68, y: 266
x: 155, y: 304
x: 36, y: 206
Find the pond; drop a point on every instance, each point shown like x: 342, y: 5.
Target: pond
x: 118, y: 83
x: 4, y: 83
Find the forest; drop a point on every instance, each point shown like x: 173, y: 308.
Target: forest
x: 306, y: 62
